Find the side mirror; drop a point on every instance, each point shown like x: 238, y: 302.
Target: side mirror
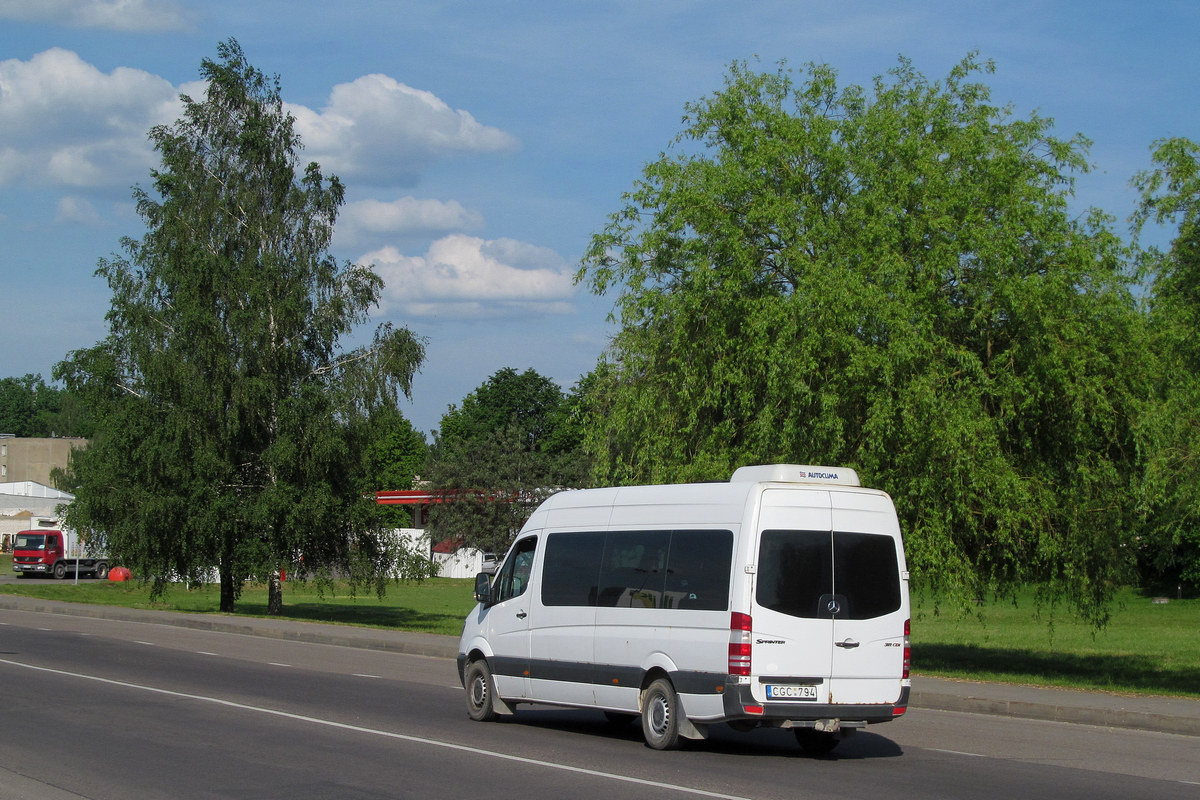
x: 483, y: 588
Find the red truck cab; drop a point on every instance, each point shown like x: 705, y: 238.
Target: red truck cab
x: 45, y: 552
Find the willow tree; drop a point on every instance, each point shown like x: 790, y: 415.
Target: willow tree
x: 231, y: 423
x: 890, y: 279
x: 1170, y: 548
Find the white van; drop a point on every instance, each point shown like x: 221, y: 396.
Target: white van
x: 777, y: 599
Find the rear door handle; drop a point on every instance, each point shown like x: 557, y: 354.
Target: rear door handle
x: 849, y: 644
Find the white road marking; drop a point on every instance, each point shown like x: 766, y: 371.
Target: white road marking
x: 386, y: 734
x: 956, y: 752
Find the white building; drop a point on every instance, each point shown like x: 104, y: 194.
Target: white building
x: 28, y: 504
x: 453, y: 560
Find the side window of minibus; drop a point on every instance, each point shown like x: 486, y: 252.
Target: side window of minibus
x: 514, y: 575
x: 570, y: 568
x: 698, y: 570
x: 633, y: 569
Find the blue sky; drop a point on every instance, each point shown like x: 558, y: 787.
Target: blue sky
x: 483, y: 142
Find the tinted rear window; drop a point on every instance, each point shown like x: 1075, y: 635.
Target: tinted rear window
x: 865, y: 572
x: 816, y: 574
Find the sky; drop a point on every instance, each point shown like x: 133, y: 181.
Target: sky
x: 483, y: 142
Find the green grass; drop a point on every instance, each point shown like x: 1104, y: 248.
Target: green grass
x: 437, y: 606
x: 1146, y: 648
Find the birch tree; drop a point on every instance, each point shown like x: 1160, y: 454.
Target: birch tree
x: 230, y: 418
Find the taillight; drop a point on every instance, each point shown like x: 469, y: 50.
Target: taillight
x: 899, y: 710
x: 740, y: 626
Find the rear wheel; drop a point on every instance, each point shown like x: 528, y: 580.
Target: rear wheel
x: 660, y: 716
x: 479, y: 691
x: 101, y: 570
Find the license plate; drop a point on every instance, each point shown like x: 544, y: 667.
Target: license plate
x: 778, y: 692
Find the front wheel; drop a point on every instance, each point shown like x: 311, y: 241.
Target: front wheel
x: 479, y: 683
x: 60, y: 570
x: 660, y: 716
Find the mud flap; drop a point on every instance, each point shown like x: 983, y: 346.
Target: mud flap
x: 689, y: 729
x: 501, y: 706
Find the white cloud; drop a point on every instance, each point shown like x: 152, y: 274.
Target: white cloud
x: 406, y: 215
x: 65, y: 122
x: 73, y: 209
x: 68, y: 123
x: 465, y: 276
x: 117, y: 15
x: 377, y: 127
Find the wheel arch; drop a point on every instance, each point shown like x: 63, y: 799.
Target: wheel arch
x: 649, y: 676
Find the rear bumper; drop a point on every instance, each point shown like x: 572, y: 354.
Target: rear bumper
x: 737, y: 697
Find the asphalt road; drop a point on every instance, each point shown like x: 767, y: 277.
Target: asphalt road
x: 112, y: 709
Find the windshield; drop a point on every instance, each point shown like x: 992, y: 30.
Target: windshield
x: 30, y: 541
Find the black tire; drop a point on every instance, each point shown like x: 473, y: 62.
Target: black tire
x: 816, y: 743
x: 60, y: 570
x: 480, y: 687
x: 660, y: 716
x: 619, y: 717
x: 102, y: 570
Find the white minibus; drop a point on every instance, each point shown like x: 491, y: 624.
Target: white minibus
x: 778, y: 599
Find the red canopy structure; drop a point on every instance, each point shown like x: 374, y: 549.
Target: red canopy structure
x: 412, y: 497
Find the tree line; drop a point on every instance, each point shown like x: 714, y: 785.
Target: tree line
x: 891, y: 278
x: 31, y: 408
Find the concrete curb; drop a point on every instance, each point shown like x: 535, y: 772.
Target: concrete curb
x: 1160, y: 714
x: 1098, y: 714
